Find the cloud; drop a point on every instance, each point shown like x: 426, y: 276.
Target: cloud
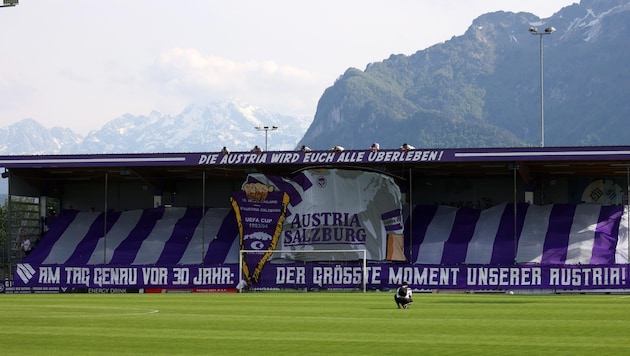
x: 191, y: 74
x: 14, y: 91
x: 73, y: 76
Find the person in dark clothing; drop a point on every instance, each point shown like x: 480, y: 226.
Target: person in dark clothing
x: 403, y: 296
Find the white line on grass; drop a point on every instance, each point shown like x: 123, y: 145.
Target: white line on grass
x: 86, y: 312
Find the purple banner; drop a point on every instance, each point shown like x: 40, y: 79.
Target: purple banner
x: 330, y: 276
x: 260, y: 212
x: 108, y: 276
x: 470, y: 277
x: 320, y: 157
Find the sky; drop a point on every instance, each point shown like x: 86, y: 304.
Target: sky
x: 80, y: 63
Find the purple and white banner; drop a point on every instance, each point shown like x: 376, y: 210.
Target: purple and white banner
x: 450, y: 277
x: 259, y: 214
x: 322, y: 157
x: 329, y: 275
x: 335, y: 209
x: 549, y: 234
x: 567, y: 245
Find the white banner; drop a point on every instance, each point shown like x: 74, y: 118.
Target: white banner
x: 338, y: 209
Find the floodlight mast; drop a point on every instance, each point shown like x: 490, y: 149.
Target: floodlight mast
x: 534, y: 31
x: 266, y: 129
x: 9, y: 3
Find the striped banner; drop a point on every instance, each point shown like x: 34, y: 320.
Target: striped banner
x: 551, y: 234
x: 559, y: 234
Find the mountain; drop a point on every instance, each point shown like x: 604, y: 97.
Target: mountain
x: 30, y: 137
x: 482, y: 89
x: 198, y: 128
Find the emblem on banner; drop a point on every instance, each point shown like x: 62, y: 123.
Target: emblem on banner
x: 25, y: 271
x: 260, y: 213
x: 604, y: 192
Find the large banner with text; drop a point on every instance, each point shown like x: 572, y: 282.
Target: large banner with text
x: 331, y: 276
x: 340, y: 212
x: 322, y: 209
x: 311, y: 230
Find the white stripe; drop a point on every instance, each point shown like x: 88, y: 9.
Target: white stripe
x: 539, y: 154
x: 430, y: 252
x: 12, y: 162
x: 68, y: 241
x: 482, y: 242
x: 198, y: 245
x: 582, y: 235
x: 621, y: 253
x: 532, y: 240
x: 152, y: 247
x: 117, y: 234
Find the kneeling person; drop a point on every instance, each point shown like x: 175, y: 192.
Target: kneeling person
x: 403, y: 296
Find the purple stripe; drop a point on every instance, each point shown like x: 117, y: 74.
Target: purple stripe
x: 503, y: 249
x: 396, y: 220
x: 84, y: 249
x: 57, y: 226
x: 302, y: 180
x: 219, y: 247
x: 418, y: 225
x: 128, y: 248
x: 181, y: 236
x: 606, y: 235
x: 557, y: 239
x: 390, y: 214
x: 395, y: 227
x: 294, y: 195
x: 456, y: 246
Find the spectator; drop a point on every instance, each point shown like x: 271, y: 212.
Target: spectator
x: 225, y: 151
x: 375, y: 146
x: 305, y: 149
x: 337, y: 149
x: 256, y: 149
x: 26, y: 246
x: 406, y: 147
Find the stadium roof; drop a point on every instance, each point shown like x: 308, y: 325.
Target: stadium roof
x: 578, y: 161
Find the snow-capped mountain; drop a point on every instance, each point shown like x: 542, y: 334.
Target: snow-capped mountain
x: 30, y: 137
x: 198, y: 128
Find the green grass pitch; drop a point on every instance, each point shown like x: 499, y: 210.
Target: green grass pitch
x: 313, y: 324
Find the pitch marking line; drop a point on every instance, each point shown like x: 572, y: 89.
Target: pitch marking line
x: 91, y: 311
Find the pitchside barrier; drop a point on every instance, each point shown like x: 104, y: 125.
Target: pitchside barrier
x: 251, y: 263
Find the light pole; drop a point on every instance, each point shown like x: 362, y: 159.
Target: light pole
x: 9, y: 3
x: 548, y: 31
x: 266, y: 129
